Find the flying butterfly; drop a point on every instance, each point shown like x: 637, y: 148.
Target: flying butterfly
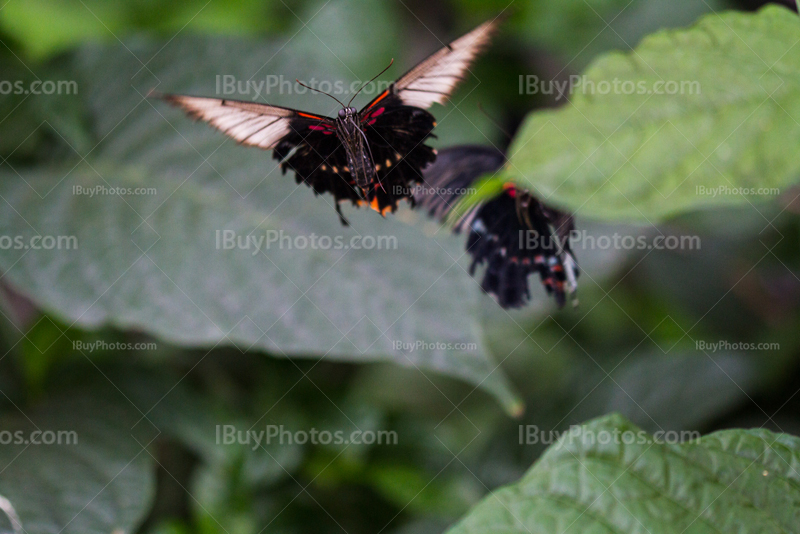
x: 374, y: 156
x: 514, y: 234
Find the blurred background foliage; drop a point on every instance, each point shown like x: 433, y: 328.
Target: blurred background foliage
x: 630, y: 346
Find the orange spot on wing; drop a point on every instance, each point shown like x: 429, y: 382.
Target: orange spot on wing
x: 384, y: 95
x: 377, y: 207
x: 309, y: 116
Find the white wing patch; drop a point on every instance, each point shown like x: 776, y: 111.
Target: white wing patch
x: 433, y: 80
x: 249, y: 123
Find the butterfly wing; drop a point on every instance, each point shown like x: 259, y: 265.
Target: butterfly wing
x: 249, y: 123
x: 303, y: 142
x: 318, y: 158
x: 514, y: 234
x: 396, y: 134
x: 397, y: 125
x: 434, y: 79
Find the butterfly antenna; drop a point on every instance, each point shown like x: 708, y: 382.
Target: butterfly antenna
x: 369, y: 82
x: 496, y: 123
x: 318, y: 91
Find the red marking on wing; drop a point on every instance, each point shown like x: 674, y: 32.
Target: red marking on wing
x: 384, y: 95
x: 326, y: 129
x: 371, y: 117
x: 310, y: 116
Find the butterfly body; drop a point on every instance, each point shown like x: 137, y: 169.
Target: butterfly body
x: 356, y: 146
x: 369, y: 157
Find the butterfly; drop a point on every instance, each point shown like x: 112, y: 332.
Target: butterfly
x: 514, y: 234
x: 372, y: 156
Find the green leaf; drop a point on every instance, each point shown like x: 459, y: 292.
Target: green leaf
x: 156, y: 261
x: 570, y: 26
x: 735, y: 123
x: 677, y: 390
x: 411, y: 487
x: 198, y: 424
x: 567, y: 27
x: 609, y: 476
x: 46, y: 27
x: 89, y: 473
x: 629, y: 23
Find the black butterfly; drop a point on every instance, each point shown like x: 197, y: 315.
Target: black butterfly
x: 370, y: 156
x: 514, y: 234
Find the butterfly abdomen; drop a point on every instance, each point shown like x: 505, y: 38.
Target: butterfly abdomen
x: 359, y: 156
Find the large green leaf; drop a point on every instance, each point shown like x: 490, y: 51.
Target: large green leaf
x: 629, y: 23
x: 78, y: 466
x: 151, y: 261
x: 568, y: 28
x: 45, y: 27
x: 609, y: 476
x: 674, y: 391
x: 641, y: 156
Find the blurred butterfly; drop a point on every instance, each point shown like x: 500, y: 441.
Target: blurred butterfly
x: 368, y: 157
x: 514, y: 234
